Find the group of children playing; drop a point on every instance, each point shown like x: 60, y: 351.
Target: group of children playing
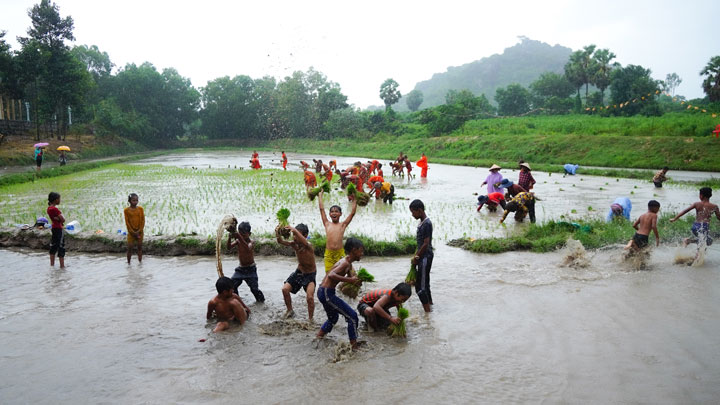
x: 339, y: 257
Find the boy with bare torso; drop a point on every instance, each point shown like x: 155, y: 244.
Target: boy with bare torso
x: 247, y: 271
x: 703, y: 214
x: 304, y: 275
x: 644, y: 224
x: 226, y: 306
x: 334, y: 231
x: 342, y: 271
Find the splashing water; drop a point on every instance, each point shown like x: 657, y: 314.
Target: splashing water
x: 574, y: 254
x: 229, y: 222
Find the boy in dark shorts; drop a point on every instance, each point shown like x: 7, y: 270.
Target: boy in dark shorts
x: 247, y: 271
x: 703, y: 214
x: 304, y: 275
x: 644, y: 224
x: 424, y: 256
x: 226, y: 305
x: 375, y: 305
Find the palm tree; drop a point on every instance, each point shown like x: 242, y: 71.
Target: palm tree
x: 711, y: 84
x: 603, y: 67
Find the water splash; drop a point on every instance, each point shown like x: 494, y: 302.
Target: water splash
x: 574, y: 254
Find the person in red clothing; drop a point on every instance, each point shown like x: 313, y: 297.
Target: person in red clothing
x: 408, y: 166
x: 304, y: 165
x: 284, y: 160
x: 492, y: 200
x: 423, y: 165
x: 379, y: 170
x: 333, y: 165
x: 310, y: 180
x: 525, y: 178
x: 374, y: 179
x: 375, y: 305
x: 373, y: 166
x: 57, y: 243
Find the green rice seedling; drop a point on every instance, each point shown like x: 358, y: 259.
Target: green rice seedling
x: 351, y: 190
x: 399, y: 330
x: 412, y: 274
x: 352, y: 290
x: 362, y: 198
x: 282, y: 216
x: 313, y: 192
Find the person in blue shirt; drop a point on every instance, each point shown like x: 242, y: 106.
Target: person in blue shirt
x: 570, y: 169
x: 621, y: 207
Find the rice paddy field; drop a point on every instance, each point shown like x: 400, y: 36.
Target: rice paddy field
x: 189, y: 193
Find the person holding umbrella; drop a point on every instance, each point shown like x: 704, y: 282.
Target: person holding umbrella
x: 62, y: 158
x: 39, y: 154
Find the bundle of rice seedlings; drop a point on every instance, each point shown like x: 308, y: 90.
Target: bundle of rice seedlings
x: 324, y: 186
x: 362, y: 198
x: 282, y: 215
x: 412, y: 274
x: 399, y: 329
x: 351, y: 189
x: 352, y: 290
x: 228, y: 223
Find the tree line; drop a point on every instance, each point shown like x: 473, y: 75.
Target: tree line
x: 155, y: 107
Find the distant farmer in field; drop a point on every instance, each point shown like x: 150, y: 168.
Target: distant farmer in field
x: 38, y: 157
x: 659, y: 177
x: 570, y: 169
x: 620, y: 208
x: 492, y: 179
x: 423, y: 165
x: 284, y: 160
x: 525, y: 178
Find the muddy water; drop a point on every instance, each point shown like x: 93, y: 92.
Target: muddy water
x: 449, y: 194
x: 506, y: 328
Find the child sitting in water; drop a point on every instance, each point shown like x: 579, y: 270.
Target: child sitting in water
x: 644, y: 224
x: 226, y: 305
x: 703, y: 214
x: 304, y: 275
x: 375, y: 305
x: 247, y: 271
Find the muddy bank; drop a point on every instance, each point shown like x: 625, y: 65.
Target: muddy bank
x: 181, y: 245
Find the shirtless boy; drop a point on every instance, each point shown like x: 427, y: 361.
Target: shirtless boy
x: 227, y: 305
x: 304, y: 275
x: 247, y: 271
x: 334, y: 231
x: 644, y: 224
x: 703, y: 214
x: 375, y: 305
x: 334, y: 306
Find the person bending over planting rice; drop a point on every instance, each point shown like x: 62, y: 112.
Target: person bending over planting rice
x: 334, y: 231
x: 424, y: 256
x: 333, y: 305
x: 226, y: 306
x: 492, y: 201
x: 375, y: 305
x: 522, y: 205
x: 304, y: 275
x: 310, y: 180
x: 384, y: 190
x: 247, y: 271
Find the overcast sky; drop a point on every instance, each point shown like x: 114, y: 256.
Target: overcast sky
x: 359, y: 44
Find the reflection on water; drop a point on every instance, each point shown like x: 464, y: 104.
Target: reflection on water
x: 515, y: 327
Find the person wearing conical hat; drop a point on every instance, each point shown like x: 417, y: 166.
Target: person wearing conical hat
x: 492, y: 179
x: 525, y: 178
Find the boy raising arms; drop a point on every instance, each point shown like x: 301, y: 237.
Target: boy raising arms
x: 334, y: 231
x: 424, y: 256
x: 247, y: 271
x: 333, y: 305
x: 226, y: 305
x: 644, y: 224
x: 703, y: 214
x: 304, y: 275
x: 375, y: 305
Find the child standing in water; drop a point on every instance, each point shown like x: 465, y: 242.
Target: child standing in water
x: 703, y: 214
x: 226, y: 305
x: 333, y: 305
x: 247, y: 271
x: 644, y: 224
x: 57, y: 243
x: 135, y: 223
x: 424, y: 256
x: 334, y: 231
x: 304, y: 275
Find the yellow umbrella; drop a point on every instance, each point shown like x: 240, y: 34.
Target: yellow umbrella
x: 65, y: 148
